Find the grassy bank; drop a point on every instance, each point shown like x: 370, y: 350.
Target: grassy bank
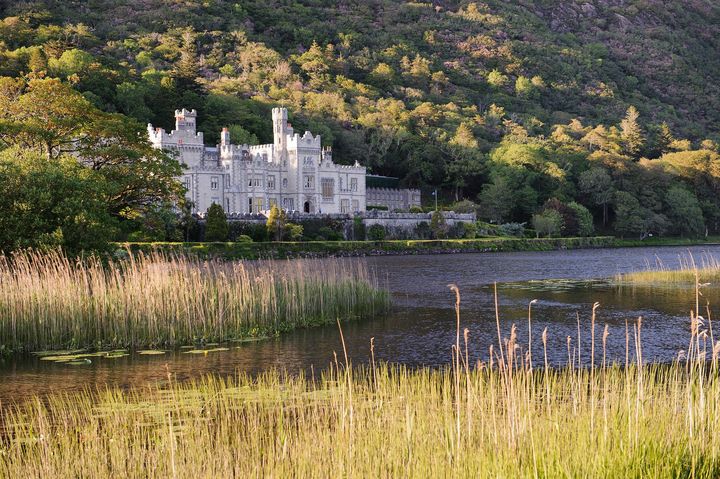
x: 505, y: 419
x: 671, y: 241
x: 290, y: 249
x: 48, y: 301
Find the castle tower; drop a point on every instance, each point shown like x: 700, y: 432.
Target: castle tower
x: 225, y: 137
x: 280, y: 133
x: 185, y: 120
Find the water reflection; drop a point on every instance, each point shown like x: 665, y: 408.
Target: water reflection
x: 420, y: 329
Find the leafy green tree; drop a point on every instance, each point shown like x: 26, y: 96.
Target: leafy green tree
x: 496, y: 200
x: 49, y: 203
x: 628, y: 214
x: 276, y: 223
x: 240, y: 136
x: 583, y: 217
x: 548, y: 223
x: 598, y: 186
x: 216, y: 225
x: 684, y: 212
x: 50, y: 118
x: 497, y: 79
x: 524, y: 87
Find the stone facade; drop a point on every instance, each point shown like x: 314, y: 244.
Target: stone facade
x: 393, y: 198
x: 294, y: 172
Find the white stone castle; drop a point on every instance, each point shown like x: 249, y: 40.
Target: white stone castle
x: 295, y: 172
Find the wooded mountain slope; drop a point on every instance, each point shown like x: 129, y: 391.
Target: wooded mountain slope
x: 450, y: 94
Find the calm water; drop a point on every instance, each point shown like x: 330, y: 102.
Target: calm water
x: 421, y: 328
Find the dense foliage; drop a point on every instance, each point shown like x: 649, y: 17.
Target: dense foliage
x: 612, y: 105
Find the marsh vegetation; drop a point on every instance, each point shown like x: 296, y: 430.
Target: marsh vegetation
x: 49, y: 301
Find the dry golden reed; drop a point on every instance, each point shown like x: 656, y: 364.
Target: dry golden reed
x: 48, y: 300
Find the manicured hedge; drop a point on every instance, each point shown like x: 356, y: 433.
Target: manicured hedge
x: 294, y: 249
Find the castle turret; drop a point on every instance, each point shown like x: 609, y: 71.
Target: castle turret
x: 185, y: 120
x: 225, y: 137
x: 327, y: 154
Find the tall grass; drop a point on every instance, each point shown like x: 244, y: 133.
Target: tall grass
x: 687, y: 271
x: 509, y: 417
x: 50, y: 301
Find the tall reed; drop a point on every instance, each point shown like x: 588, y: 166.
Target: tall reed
x: 50, y: 301
x: 707, y: 269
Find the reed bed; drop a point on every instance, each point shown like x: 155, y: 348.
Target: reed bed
x: 48, y: 301
x: 687, y: 272
x: 510, y: 417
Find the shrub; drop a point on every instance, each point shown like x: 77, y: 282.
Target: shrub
x: 256, y: 231
x: 358, y: 229
x: 422, y: 230
x: 416, y: 209
x: 244, y: 239
x: 465, y: 206
x: 294, y: 232
x: 470, y: 230
x: 516, y: 230
x: 376, y: 232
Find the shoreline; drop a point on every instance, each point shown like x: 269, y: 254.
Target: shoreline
x: 324, y: 249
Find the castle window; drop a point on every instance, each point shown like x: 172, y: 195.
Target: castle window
x: 327, y: 187
x: 227, y: 205
x: 285, y: 183
x: 344, y: 206
x: 353, y: 184
x: 213, y: 182
x: 309, y: 182
x: 271, y: 182
x: 215, y: 200
x: 186, y: 182
x: 355, y: 205
x: 258, y: 205
x: 288, y: 204
x: 272, y: 202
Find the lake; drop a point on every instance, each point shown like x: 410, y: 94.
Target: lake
x: 420, y: 330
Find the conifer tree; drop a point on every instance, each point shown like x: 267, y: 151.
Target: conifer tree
x: 216, y: 227
x: 276, y: 223
x: 187, y: 69
x: 631, y: 134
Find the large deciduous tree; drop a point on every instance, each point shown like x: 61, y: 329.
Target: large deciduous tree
x: 50, y: 118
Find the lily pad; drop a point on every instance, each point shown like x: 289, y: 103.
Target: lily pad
x: 205, y: 351
x: 151, y: 352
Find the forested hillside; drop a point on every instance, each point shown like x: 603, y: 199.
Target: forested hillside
x: 518, y: 106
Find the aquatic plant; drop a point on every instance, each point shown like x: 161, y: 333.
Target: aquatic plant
x: 50, y: 301
x: 501, y: 418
